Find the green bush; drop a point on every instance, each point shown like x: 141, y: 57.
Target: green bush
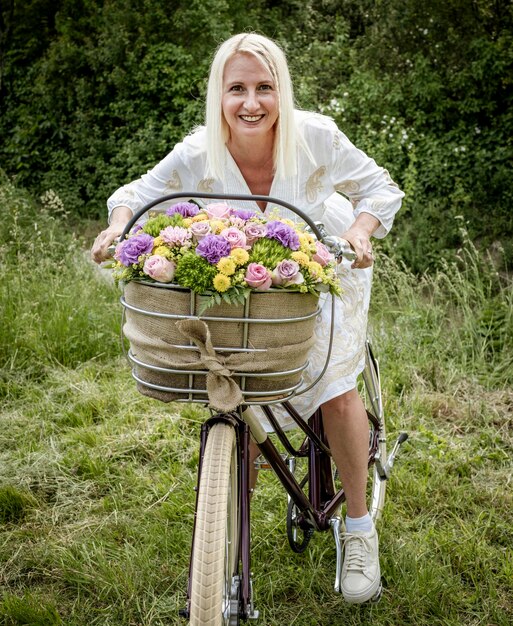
x: 106, y: 89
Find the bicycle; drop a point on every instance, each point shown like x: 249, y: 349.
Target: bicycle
x: 220, y: 587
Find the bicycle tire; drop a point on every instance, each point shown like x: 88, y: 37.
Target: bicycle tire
x: 214, y: 600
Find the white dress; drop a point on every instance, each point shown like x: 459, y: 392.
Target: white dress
x: 338, y: 167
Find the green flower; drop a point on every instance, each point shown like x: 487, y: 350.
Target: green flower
x: 126, y: 274
x: 154, y: 225
x: 268, y: 252
x: 195, y: 272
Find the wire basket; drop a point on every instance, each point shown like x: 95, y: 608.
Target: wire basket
x: 262, y: 345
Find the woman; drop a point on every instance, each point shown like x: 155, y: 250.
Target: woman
x: 255, y: 142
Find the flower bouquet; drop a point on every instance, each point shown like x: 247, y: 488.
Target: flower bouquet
x: 225, y: 253
x: 260, y: 279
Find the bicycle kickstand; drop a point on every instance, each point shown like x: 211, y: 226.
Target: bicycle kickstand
x: 384, y: 471
x: 335, y: 523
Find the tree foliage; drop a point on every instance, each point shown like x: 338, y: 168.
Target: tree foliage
x: 94, y: 92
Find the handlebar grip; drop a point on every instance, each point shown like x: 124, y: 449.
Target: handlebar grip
x: 340, y: 248
x: 112, y: 248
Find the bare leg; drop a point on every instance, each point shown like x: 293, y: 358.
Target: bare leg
x: 347, y: 429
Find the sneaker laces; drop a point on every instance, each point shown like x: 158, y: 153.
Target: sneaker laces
x: 356, y: 547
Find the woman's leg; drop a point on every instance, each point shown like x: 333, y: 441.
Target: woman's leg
x: 346, y: 425
x: 347, y: 428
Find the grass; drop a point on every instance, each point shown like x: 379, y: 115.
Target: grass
x: 96, y: 481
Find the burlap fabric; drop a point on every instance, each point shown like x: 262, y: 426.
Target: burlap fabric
x: 152, y: 339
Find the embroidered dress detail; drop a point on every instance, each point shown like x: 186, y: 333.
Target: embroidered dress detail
x: 205, y: 185
x: 174, y: 183
x: 314, y: 184
x: 348, y: 186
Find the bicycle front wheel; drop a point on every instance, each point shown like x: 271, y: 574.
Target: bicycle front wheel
x: 215, y: 584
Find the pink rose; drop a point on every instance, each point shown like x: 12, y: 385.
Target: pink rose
x: 258, y: 277
x: 159, y: 268
x: 287, y: 273
x: 200, y: 230
x: 217, y: 210
x: 176, y: 236
x: 254, y: 231
x: 323, y: 256
x: 235, y: 237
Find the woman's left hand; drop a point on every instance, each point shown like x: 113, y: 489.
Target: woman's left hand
x: 361, y: 244
x: 359, y: 237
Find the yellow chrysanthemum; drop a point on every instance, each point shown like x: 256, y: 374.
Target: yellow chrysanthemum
x: 162, y: 251
x: 158, y: 241
x: 187, y: 222
x: 226, y: 266
x: 288, y: 222
x: 240, y: 256
x: 306, y: 237
x: 300, y: 257
x: 221, y: 282
x: 307, y: 248
x: 201, y: 217
x: 315, y: 269
x: 217, y: 226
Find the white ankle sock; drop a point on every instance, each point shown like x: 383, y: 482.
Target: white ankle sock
x: 359, y: 524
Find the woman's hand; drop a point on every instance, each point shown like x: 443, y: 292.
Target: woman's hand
x: 119, y: 219
x: 359, y: 237
x: 100, y: 247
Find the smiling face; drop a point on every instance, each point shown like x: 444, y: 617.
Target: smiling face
x: 250, y: 98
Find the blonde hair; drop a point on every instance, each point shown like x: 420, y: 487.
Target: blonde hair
x: 273, y: 59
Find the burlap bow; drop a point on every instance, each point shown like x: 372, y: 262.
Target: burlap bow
x: 223, y: 392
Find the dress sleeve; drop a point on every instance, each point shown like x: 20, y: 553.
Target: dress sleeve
x: 368, y: 186
x: 172, y: 174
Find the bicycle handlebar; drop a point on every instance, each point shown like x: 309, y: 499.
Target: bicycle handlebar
x: 340, y: 248
x: 221, y: 196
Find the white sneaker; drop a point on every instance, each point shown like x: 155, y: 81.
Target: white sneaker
x: 361, y: 576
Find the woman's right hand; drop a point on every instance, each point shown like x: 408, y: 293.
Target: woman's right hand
x: 120, y: 217
x: 100, y: 247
